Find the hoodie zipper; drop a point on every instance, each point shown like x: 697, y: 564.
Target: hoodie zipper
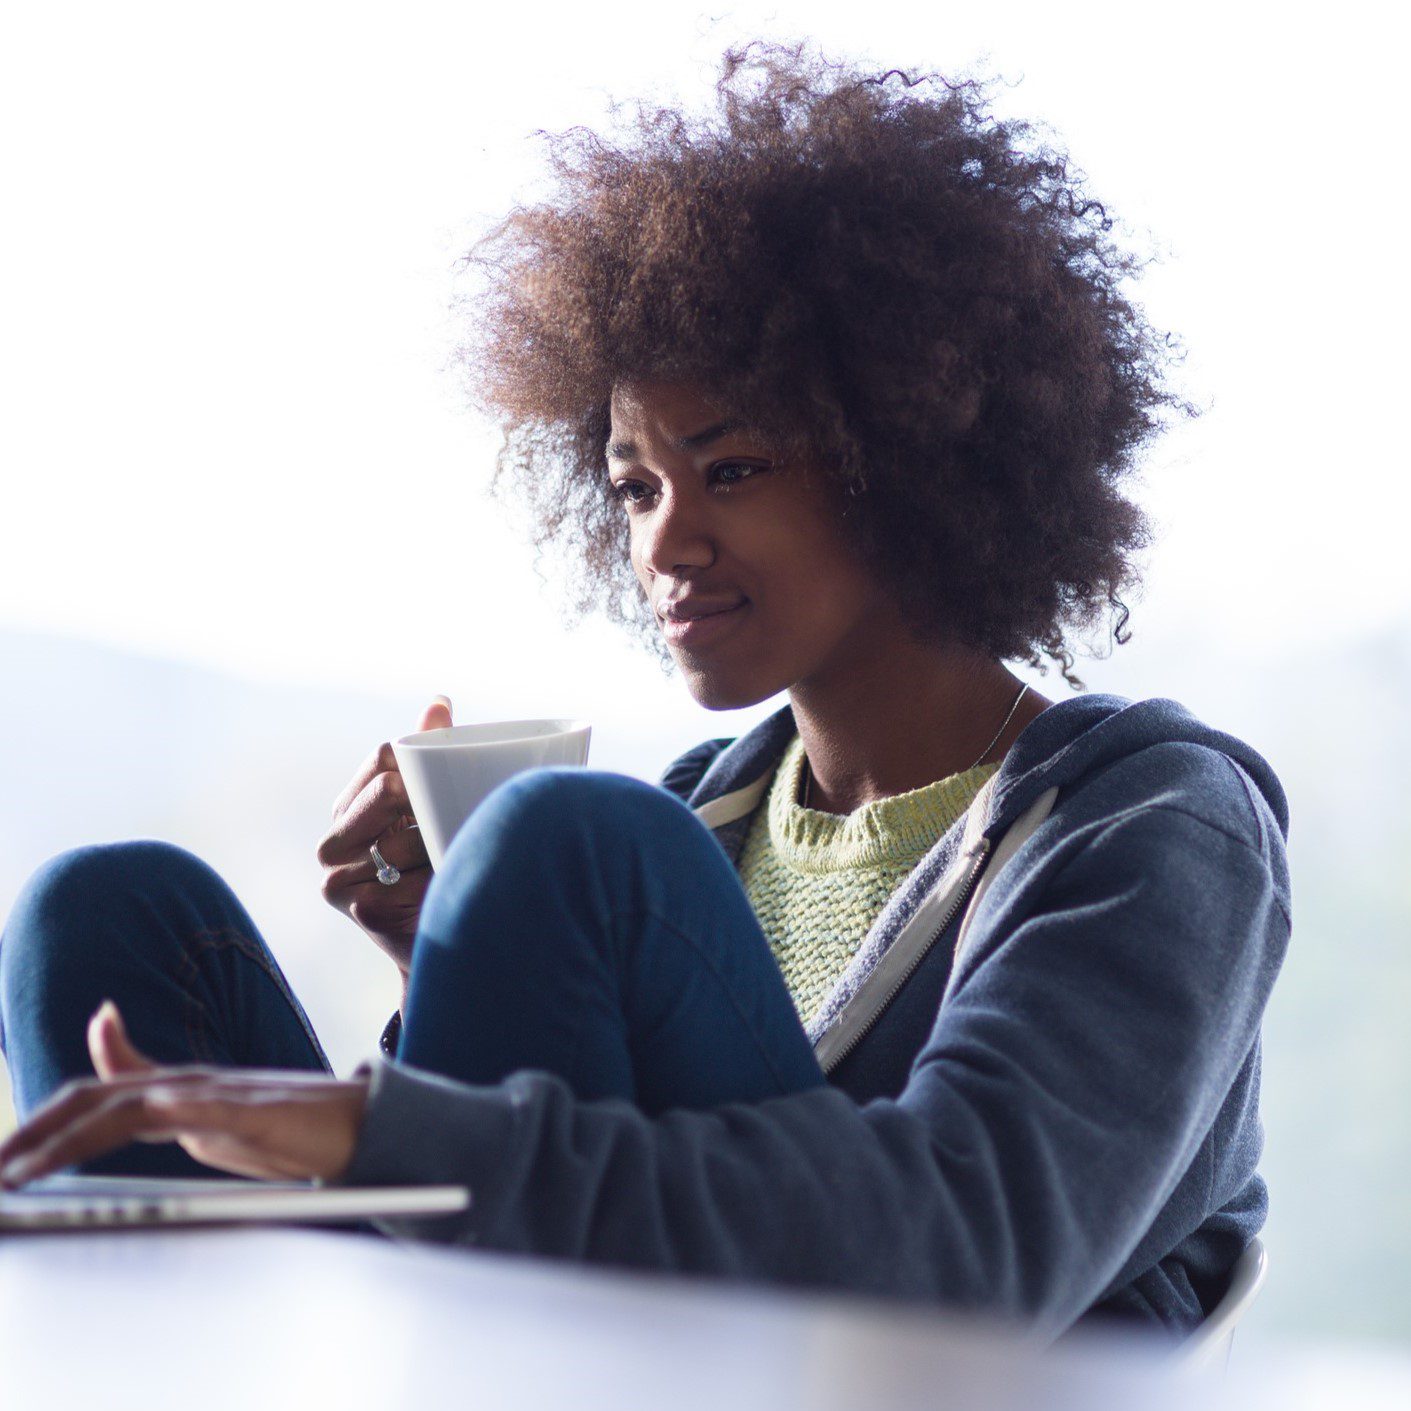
x: 982, y: 851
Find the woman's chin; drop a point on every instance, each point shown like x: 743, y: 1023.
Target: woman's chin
x: 714, y: 688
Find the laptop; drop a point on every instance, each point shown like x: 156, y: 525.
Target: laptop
x: 79, y: 1202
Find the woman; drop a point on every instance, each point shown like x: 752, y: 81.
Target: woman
x: 926, y: 986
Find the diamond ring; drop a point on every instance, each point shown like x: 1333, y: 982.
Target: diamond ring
x: 386, y: 873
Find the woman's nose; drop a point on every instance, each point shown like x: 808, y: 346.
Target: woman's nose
x: 677, y: 533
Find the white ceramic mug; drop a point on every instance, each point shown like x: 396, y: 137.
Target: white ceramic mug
x: 449, y: 771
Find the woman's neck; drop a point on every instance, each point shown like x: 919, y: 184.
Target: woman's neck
x: 901, y: 715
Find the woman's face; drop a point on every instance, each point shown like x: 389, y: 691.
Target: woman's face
x: 719, y: 528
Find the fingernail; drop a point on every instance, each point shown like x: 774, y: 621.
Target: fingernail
x: 16, y: 1173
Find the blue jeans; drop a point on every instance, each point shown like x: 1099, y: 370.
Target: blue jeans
x: 584, y: 923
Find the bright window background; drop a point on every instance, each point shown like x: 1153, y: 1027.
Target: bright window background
x: 245, y: 535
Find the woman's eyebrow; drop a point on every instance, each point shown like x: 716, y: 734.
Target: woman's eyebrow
x: 627, y: 450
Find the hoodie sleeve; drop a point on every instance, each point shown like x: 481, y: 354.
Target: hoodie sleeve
x: 1065, y: 1087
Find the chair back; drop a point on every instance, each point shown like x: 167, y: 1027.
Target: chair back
x: 1208, y: 1347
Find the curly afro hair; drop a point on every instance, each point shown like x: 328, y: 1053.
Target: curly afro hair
x: 881, y: 282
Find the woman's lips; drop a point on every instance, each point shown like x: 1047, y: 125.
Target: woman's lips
x: 698, y: 631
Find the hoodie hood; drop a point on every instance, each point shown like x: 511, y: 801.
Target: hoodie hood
x: 1069, y: 740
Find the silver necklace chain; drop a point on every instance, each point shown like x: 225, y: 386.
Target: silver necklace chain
x: 808, y: 771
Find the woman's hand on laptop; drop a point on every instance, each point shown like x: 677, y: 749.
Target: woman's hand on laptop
x: 374, y: 809
x: 255, y: 1122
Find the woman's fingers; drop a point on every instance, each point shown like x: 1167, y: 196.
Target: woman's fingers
x: 137, y: 1114
x: 378, y: 908
x: 79, y: 1096
x: 405, y: 851
x: 74, y: 1108
x: 402, y: 845
x: 255, y: 1123
x: 380, y: 808
x: 436, y: 716
x: 72, y: 1101
x: 380, y: 761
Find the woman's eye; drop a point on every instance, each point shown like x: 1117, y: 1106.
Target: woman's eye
x: 723, y: 474
x: 733, y: 465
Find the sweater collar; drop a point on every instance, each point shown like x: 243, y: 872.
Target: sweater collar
x: 897, y: 829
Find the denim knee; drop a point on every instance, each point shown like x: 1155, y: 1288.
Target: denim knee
x: 105, y: 870
x: 572, y: 819
x: 550, y: 806
x: 59, y: 911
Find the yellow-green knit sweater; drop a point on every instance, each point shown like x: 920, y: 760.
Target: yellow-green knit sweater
x: 817, y: 881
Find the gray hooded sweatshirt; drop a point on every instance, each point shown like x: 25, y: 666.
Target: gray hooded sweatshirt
x: 1043, y: 1060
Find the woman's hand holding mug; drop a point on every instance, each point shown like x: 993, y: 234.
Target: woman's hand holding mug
x: 374, y: 809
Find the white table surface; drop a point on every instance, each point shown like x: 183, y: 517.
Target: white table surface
x: 298, y: 1317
